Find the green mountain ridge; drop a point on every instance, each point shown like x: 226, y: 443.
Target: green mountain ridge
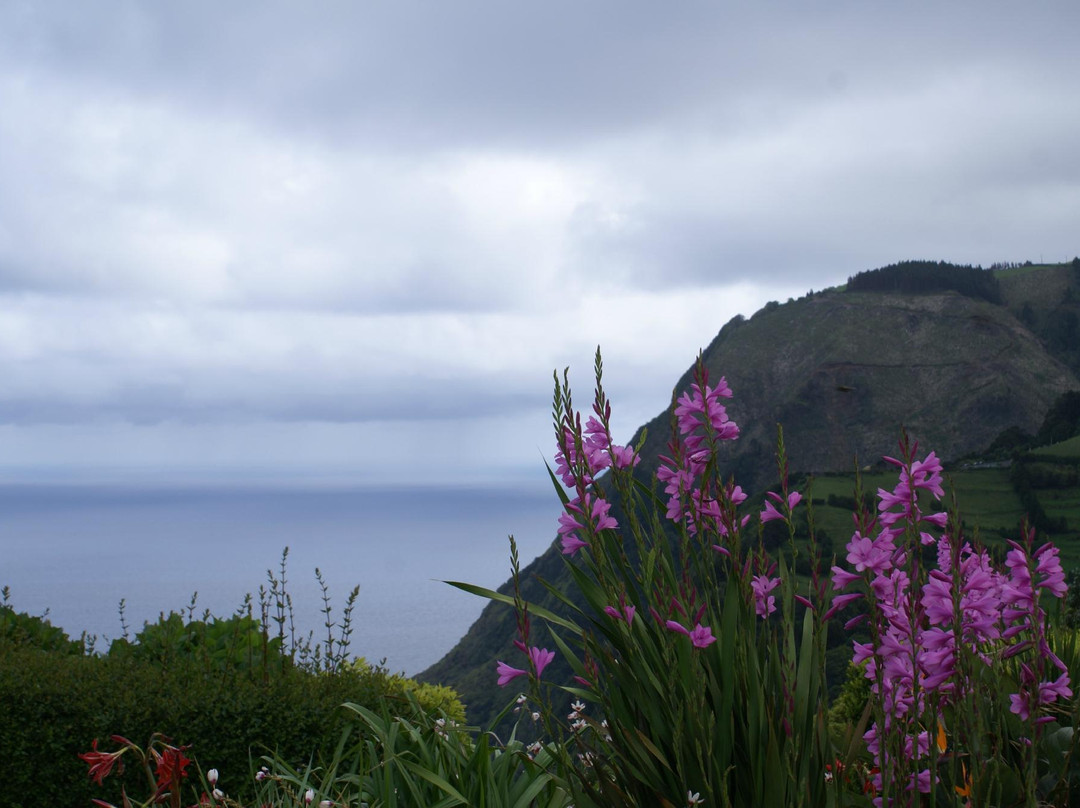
x: 843, y: 371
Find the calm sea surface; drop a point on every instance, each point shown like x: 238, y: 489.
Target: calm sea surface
x: 77, y: 550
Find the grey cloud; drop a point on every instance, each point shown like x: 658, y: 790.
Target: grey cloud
x: 486, y: 73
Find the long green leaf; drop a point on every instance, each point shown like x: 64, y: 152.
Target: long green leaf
x: 538, y: 611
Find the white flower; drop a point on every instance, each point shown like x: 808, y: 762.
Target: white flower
x: 309, y: 796
x: 578, y: 725
x: 694, y: 798
x: 218, y: 794
x: 326, y: 804
x: 536, y: 716
x: 578, y: 706
x: 212, y: 777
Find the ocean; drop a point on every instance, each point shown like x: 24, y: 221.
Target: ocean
x: 74, y: 551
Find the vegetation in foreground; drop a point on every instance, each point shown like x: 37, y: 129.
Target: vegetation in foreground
x: 699, y: 664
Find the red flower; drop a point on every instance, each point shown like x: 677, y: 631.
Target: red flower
x: 170, y: 767
x: 101, y: 763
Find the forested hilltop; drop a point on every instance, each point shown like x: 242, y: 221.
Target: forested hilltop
x: 959, y: 356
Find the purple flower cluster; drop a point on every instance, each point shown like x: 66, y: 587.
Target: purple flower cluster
x: 581, y: 456
x: 702, y: 423
x: 922, y: 620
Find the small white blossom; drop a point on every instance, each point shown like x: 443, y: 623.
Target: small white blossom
x: 536, y: 716
x: 309, y: 796
x: 212, y: 777
x: 693, y: 798
x: 218, y: 794
x: 578, y: 725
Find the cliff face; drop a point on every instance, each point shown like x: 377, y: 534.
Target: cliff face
x: 843, y: 372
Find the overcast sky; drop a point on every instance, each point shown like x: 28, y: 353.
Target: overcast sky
x: 350, y: 241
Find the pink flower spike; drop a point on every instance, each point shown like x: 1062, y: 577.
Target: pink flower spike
x: 507, y: 674
x: 764, y: 603
x: 722, y: 550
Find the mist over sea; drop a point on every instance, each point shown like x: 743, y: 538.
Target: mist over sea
x: 76, y: 550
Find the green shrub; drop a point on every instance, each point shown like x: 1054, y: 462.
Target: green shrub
x: 21, y: 630
x: 53, y: 705
x: 431, y: 698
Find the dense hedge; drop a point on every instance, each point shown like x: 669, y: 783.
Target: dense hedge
x: 55, y: 700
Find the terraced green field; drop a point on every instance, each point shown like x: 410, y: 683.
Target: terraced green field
x: 985, y: 498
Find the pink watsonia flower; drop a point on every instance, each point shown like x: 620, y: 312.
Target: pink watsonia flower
x: 507, y: 673
x: 695, y: 408
x: 624, y: 457
x: 839, y: 602
x: 571, y: 544
x: 541, y: 658
x: 1051, y: 691
x: 764, y: 603
x: 592, y: 518
x: 701, y: 636
x: 770, y: 513
x: 567, y: 464
x: 939, y: 519
x: 926, y: 474
x: 626, y: 614
x: 865, y: 553
x: 1049, y: 567
x: 841, y: 578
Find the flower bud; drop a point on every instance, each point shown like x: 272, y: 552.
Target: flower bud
x: 212, y: 777
x: 309, y: 796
